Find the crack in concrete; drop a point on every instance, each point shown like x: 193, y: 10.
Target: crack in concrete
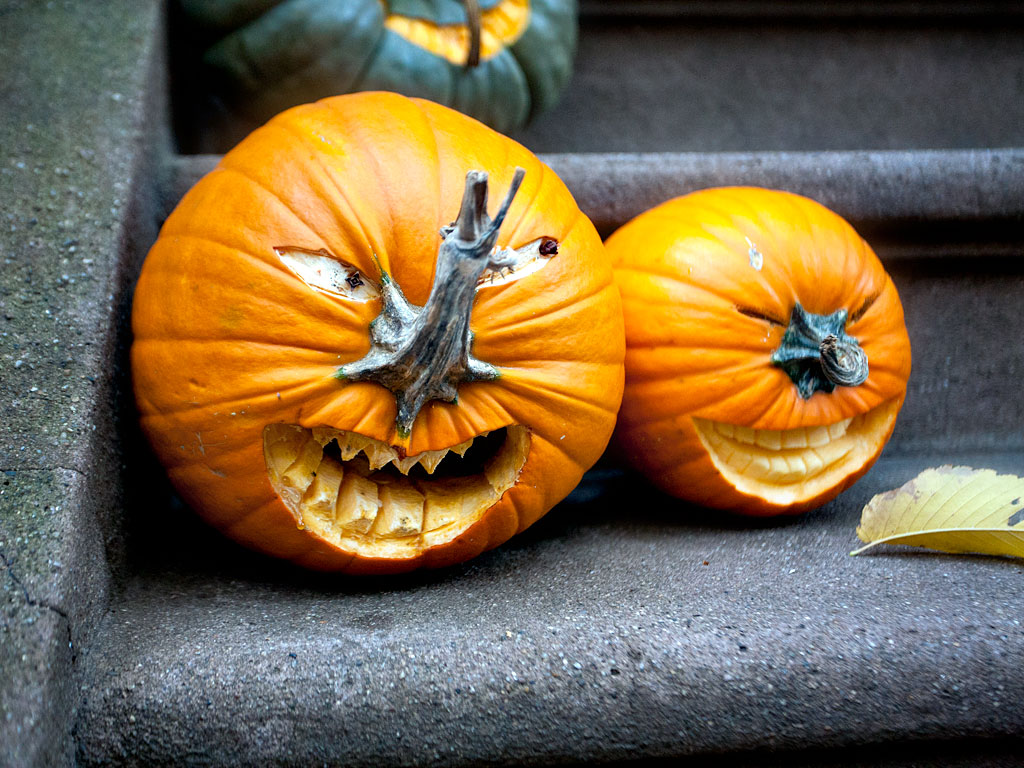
x: 29, y: 600
x: 42, y: 469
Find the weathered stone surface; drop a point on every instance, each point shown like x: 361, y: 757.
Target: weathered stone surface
x: 890, y: 190
x: 73, y: 106
x: 35, y: 698
x: 623, y: 625
x: 53, y: 578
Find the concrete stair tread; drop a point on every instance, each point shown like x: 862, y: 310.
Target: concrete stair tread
x: 600, y: 633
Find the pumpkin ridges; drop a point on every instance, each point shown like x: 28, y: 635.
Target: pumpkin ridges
x: 359, y: 407
x: 682, y: 286
x: 640, y: 304
x: 291, y: 305
x: 221, y: 194
x: 817, y: 256
x: 727, y: 233
x: 224, y: 507
x: 464, y: 156
x: 440, y: 424
x: 498, y: 345
x: 234, y: 373
x: 761, y: 206
x: 718, y: 397
x: 661, y: 365
x: 417, y: 147
x: 373, y: 220
x: 564, y: 280
x: 752, y: 336
x: 522, y: 392
x: 255, y: 260
x: 290, y: 541
x: 706, y: 295
x: 512, y: 227
x: 353, y: 312
x: 372, y: 229
x: 226, y: 167
x: 540, y: 386
x: 352, y: 233
x: 149, y: 411
x: 313, y: 363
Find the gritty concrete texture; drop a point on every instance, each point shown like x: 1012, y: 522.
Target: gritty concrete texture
x: 624, y: 626
x: 894, y: 189
x: 891, y: 190
x: 72, y: 105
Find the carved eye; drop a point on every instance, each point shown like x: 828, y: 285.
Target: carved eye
x: 862, y: 310
x: 324, y: 272
x: 514, y: 264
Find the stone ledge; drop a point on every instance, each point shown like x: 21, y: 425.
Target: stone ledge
x: 891, y: 189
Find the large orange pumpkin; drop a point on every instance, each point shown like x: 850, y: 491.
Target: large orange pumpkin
x: 335, y: 373
x: 766, y: 352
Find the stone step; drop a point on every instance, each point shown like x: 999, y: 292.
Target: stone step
x: 600, y: 634
x: 132, y: 634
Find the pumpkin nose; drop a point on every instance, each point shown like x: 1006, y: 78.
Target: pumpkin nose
x: 423, y: 353
x: 818, y: 354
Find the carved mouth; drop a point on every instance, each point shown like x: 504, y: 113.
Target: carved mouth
x: 358, y: 492
x: 787, y: 466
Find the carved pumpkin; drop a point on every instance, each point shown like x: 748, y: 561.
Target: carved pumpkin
x: 500, y: 61
x: 334, y: 373
x: 767, y: 355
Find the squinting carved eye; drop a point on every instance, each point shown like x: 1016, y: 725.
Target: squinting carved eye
x: 520, y: 262
x: 324, y: 272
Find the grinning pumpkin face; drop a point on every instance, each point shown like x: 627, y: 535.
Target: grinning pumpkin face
x: 501, y: 61
x: 343, y: 360
x: 767, y: 355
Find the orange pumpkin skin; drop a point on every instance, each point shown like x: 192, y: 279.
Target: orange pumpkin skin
x: 702, y: 277
x: 228, y: 340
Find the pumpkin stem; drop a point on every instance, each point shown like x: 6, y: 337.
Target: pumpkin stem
x: 818, y: 355
x: 423, y: 353
x: 473, y: 21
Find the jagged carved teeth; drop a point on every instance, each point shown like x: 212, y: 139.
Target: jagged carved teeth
x: 342, y: 484
x: 380, y: 455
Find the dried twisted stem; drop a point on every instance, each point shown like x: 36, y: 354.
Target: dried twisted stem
x: 423, y: 353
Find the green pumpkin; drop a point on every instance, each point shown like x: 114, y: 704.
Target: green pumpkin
x: 269, y: 55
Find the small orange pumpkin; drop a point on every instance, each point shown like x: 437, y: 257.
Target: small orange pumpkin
x: 766, y: 352
x: 334, y: 373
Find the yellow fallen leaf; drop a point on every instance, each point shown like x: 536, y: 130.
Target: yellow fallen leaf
x: 951, y: 509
